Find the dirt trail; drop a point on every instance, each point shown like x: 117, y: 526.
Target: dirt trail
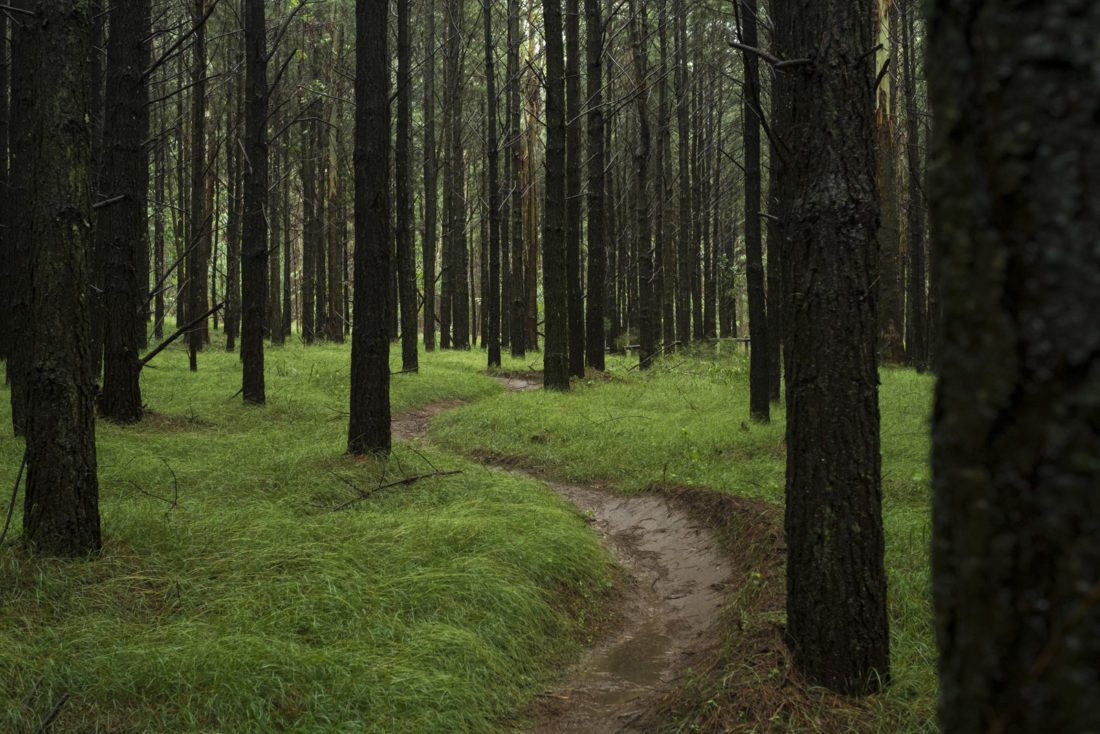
x: 677, y: 581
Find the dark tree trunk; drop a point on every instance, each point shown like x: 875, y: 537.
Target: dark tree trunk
x: 320, y: 238
x: 159, y: 276
x: 334, y: 260
x: 664, y: 280
x: 573, y: 191
x: 597, y: 257
x: 759, y: 358
x: 232, y: 313
x: 836, y: 580
x: 125, y: 178
x: 518, y: 337
x: 369, y: 424
x: 554, y: 267
x: 288, y: 242
x: 891, y: 304
x: 647, y: 306
x: 683, y: 240
x: 273, y: 311
x: 491, y: 123
x: 7, y: 277
x: 61, y: 504
x: 916, y: 337
x: 310, y: 227
x: 406, y: 254
x: 430, y: 187
x: 254, y: 239
x: 196, y: 264
x: 1015, y: 548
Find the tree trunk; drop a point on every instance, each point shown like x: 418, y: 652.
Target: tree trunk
x: 836, y: 580
x: 430, y: 186
x: 916, y: 337
x: 1015, y: 552
x: 573, y: 191
x: 554, y: 256
x: 196, y: 265
x: 254, y: 239
x: 759, y: 358
x: 406, y: 254
x: 61, y: 505
x: 683, y: 240
x: 369, y: 422
x: 647, y: 306
x: 120, y: 225
x: 597, y: 256
x: 493, y: 293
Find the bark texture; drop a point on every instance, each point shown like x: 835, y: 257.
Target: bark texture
x: 1015, y: 208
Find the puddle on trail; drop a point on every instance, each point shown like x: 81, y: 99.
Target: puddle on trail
x: 677, y: 586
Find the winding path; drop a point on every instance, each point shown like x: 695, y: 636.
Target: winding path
x: 677, y: 580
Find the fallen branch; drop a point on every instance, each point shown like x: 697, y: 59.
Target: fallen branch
x: 176, y: 335
x: 14, y: 494
x: 367, y: 494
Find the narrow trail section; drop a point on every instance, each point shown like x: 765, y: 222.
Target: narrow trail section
x: 677, y: 581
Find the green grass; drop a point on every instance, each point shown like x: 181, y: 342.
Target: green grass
x: 249, y: 606
x: 686, y: 423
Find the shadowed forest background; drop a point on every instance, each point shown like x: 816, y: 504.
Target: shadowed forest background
x: 549, y: 366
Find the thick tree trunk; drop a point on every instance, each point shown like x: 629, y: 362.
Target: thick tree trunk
x: 6, y: 275
x: 665, y: 280
x: 61, y: 505
x: 196, y: 264
x: 518, y: 336
x: 647, y: 306
x: 1015, y: 548
x: 254, y: 239
x: 836, y: 580
x: 125, y: 177
x: 369, y: 423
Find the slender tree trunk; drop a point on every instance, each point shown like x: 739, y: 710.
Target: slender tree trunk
x: 573, y: 191
x: 122, y: 224
x: 430, y: 186
x: 309, y: 227
x: 369, y: 423
x: 254, y: 240
x: 597, y: 256
x: 288, y: 242
x: 1015, y: 552
x: 196, y: 265
x: 554, y: 256
x: 61, y: 505
x: 891, y: 303
x: 235, y: 166
x: 683, y: 240
x: 837, y: 625
x: 158, y: 240
x: 491, y: 123
x: 647, y: 306
x: 406, y: 254
x: 759, y: 361
x: 916, y: 337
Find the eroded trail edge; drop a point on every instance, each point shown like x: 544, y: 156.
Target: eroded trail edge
x: 678, y: 579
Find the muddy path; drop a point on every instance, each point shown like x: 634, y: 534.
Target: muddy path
x: 677, y: 580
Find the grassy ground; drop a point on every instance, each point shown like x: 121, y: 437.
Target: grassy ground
x: 685, y: 424
x: 229, y: 597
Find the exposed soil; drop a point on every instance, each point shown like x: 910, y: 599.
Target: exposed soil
x: 678, y: 581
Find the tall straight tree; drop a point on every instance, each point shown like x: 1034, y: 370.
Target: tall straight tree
x: 196, y: 265
x: 121, y: 225
x: 518, y: 337
x: 836, y: 579
x: 1015, y: 548
x: 759, y: 356
x: 5, y: 236
x: 575, y: 291
x: 916, y: 337
x: 554, y: 269
x: 431, y: 190
x: 254, y: 236
x: 369, y: 422
x: 647, y: 306
x: 406, y: 256
x: 683, y: 236
x: 492, y: 149
x: 61, y: 502
x: 597, y: 256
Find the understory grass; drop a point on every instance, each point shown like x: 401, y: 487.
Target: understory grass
x: 230, y: 597
x: 685, y: 423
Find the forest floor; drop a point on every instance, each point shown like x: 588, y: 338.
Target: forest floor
x: 254, y: 579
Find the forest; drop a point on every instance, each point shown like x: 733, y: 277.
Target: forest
x: 596, y: 366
